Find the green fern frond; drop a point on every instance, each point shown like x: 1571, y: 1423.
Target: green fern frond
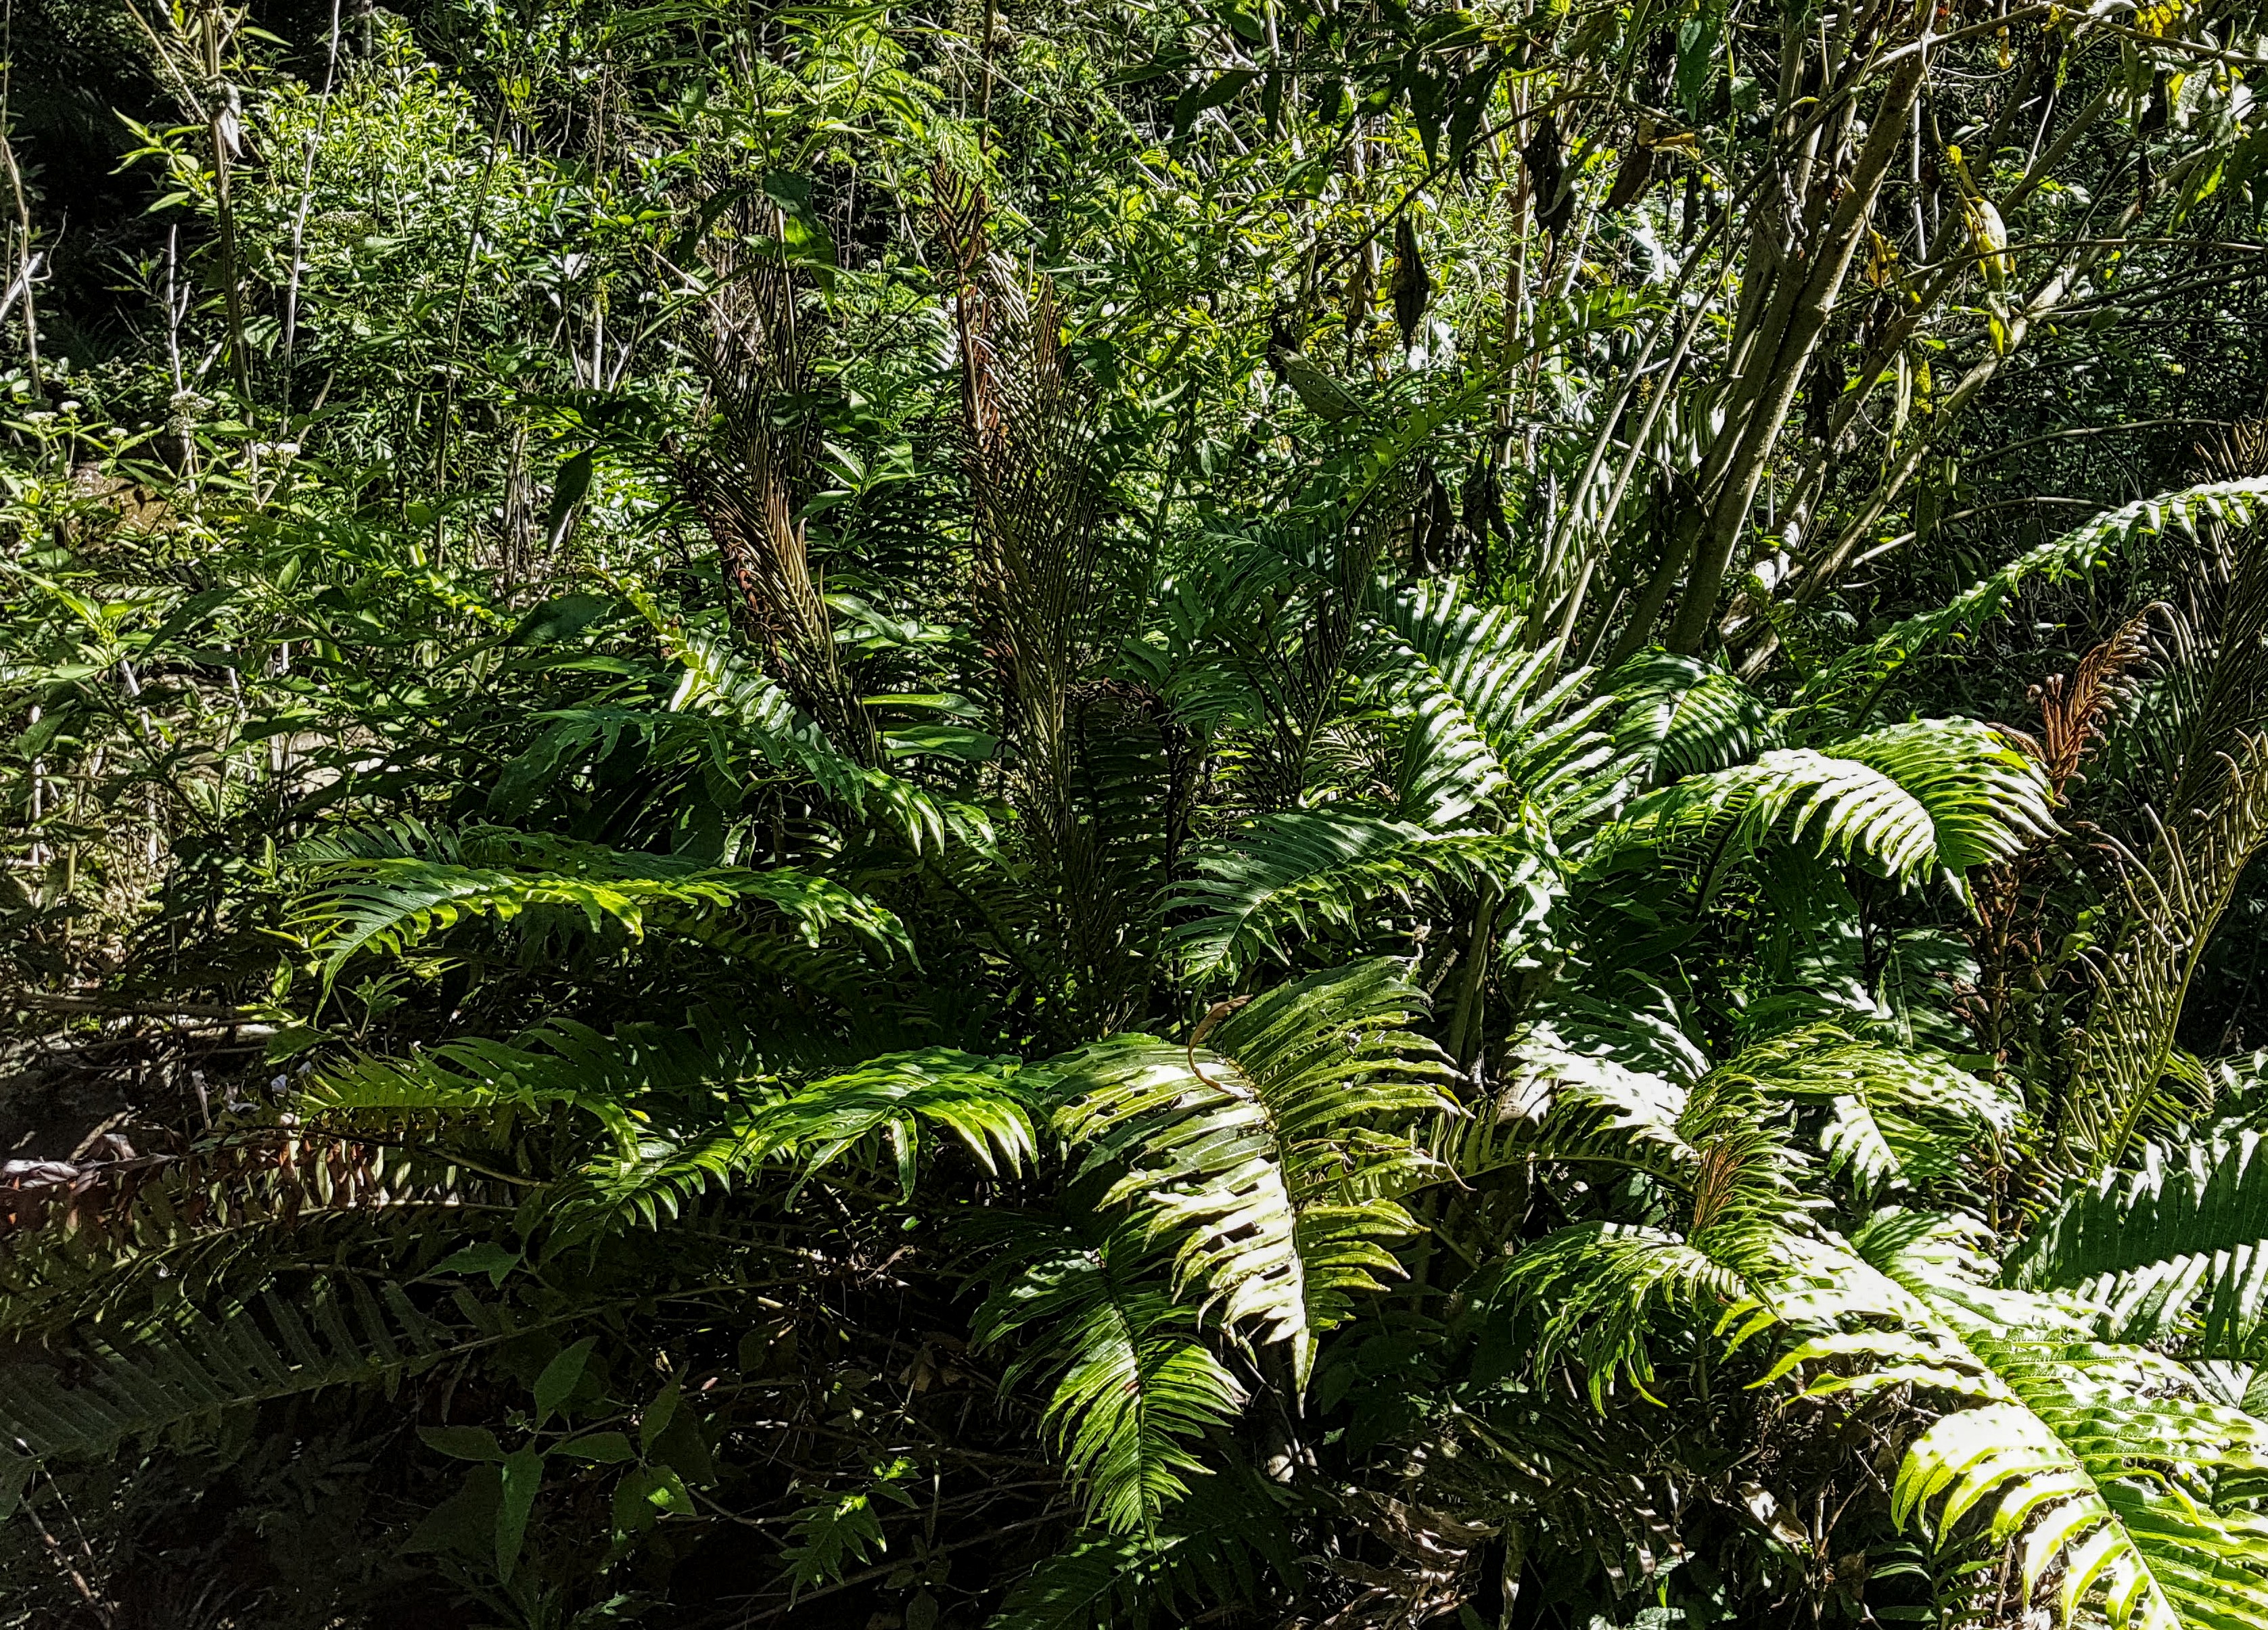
x: 1225, y: 1543
x: 887, y: 1103
x: 187, y: 1366
x: 1488, y: 715
x: 368, y: 898
x: 1892, y: 1115
x: 1300, y: 870
x: 2178, y: 1250
x: 717, y: 681
x: 1678, y: 717
x: 1269, y: 1158
x: 1133, y: 1384
x: 2102, y: 1466
x: 1934, y: 797
x: 1863, y: 672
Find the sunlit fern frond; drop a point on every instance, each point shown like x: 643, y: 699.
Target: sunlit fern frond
x: 1677, y: 716
x: 1132, y: 1387
x: 1931, y: 798
x: 883, y: 1113
x: 1301, y: 870
x: 1269, y: 1157
x: 2103, y: 1472
x: 1490, y: 719
x: 382, y: 892
x: 1891, y: 1114
x: 2177, y: 1250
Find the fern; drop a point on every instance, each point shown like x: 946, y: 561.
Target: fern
x: 377, y: 893
x: 2178, y: 1250
x: 1265, y: 1159
x: 1678, y: 717
x: 1294, y: 872
x: 1226, y: 1543
x: 1487, y: 717
x: 1935, y: 797
x: 1866, y: 670
x: 174, y: 1370
x: 2103, y: 1464
x: 1134, y: 1385
x: 888, y: 1104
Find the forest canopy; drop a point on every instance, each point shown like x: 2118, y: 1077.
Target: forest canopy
x: 1071, y: 815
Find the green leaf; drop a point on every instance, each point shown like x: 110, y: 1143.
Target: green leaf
x: 560, y: 1378
x: 462, y: 1442
x: 523, y: 1477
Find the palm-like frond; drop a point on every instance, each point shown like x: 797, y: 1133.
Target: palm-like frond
x: 1300, y: 870
x: 2105, y: 1464
x: 380, y: 893
x: 1490, y: 719
x: 1861, y: 674
x: 2178, y: 1250
x: 1269, y: 1159
x: 890, y: 1104
x: 1933, y: 798
x: 1134, y: 1385
x: 1891, y: 1114
x: 1678, y: 717
x: 168, y: 1370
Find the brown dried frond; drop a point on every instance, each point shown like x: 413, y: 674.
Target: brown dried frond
x: 2070, y: 713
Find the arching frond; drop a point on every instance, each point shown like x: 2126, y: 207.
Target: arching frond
x: 1934, y: 797
x: 885, y: 1106
x: 1270, y: 1158
x: 1677, y: 716
x: 2178, y: 1250
x: 2103, y: 1468
x: 1891, y: 1114
x: 1862, y: 673
x: 380, y: 894
x: 175, y: 1368
x: 1301, y: 869
x: 1133, y: 1383
x: 1490, y: 718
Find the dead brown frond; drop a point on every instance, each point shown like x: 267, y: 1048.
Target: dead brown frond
x: 752, y: 475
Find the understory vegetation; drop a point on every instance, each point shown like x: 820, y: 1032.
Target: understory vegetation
x: 1061, y: 813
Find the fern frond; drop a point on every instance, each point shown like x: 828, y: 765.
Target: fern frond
x: 1134, y: 1383
x: 1269, y: 1158
x: 368, y: 899
x: 1678, y: 717
x: 1489, y: 716
x: 186, y: 1367
x: 1299, y: 869
x: 1934, y: 797
x: 2104, y: 1466
x: 2178, y: 1250
x: 887, y: 1103
x: 1225, y: 1543
x: 1863, y: 672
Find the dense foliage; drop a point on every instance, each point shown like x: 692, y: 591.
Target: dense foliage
x: 1072, y: 815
